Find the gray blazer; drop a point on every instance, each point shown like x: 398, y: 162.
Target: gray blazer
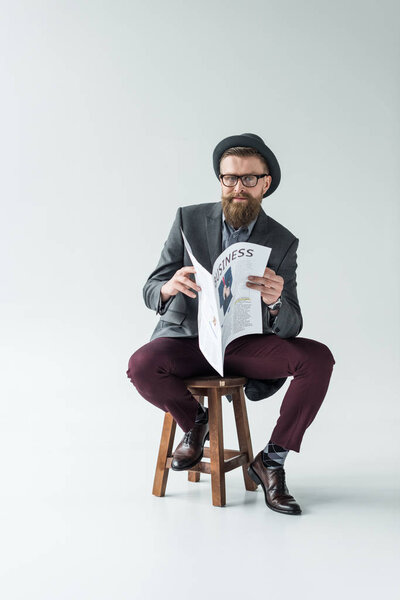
x: 202, y: 226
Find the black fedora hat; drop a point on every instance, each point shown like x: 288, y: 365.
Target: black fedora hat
x: 250, y: 140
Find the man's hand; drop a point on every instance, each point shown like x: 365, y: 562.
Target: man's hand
x: 269, y: 285
x: 180, y: 282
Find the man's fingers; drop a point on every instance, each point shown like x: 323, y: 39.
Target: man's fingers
x: 189, y: 283
x: 272, y: 276
x: 260, y: 288
x: 187, y: 270
x: 262, y: 282
x: 186, y: 285
x: 266, y: 277
x: 180, y: 287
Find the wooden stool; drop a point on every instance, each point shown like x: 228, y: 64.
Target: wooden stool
x: 222, y: 460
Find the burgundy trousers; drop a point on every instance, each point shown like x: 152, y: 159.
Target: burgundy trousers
x: 158, y: 369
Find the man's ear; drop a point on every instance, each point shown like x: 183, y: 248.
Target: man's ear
x: 268, y: 185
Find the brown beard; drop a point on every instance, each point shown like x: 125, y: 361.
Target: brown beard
x: 240, y: 214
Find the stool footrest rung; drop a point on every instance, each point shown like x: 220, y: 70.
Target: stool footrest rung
x: 232, y: 460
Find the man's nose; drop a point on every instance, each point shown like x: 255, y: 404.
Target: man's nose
x: 239, y: 186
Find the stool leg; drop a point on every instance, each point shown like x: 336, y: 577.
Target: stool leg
x: 195, y: 475
x: 165, y: 450
x: 216, y: 448
x: 243, y: 432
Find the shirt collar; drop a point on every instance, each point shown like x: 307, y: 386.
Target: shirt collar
x: 231, y: 229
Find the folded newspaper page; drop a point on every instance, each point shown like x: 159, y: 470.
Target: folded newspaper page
x: 228, y: 308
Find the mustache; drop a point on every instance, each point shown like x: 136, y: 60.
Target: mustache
x: 232, y: 196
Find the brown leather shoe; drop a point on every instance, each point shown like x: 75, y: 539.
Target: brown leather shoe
x: 277, y: 495
x: 190, y: 450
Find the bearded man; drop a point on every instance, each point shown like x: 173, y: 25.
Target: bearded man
x: 248, y: 171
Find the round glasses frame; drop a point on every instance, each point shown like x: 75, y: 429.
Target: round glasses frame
x: 242, y: 179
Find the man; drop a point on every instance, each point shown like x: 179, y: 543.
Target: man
x: 248, y: 171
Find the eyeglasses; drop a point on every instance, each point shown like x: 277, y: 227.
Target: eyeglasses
x: 247, y: 180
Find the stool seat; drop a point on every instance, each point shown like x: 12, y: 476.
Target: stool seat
x: 215, y: 382
x: 222, y: 459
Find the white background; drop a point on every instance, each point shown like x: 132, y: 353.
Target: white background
x: 109, y: 115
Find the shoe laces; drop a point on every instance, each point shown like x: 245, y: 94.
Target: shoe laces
x: 280, y: 474
x: 187, y: 436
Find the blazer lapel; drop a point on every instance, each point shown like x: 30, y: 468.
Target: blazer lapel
x: 214, y: 232
x: 260, y: 232
x: 265, y: 233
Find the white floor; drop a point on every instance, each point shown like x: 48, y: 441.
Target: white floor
x: 84, y: 525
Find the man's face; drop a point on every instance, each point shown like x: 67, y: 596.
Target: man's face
x: 242, y: 204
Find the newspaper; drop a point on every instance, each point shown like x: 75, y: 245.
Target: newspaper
x: 228, y: 308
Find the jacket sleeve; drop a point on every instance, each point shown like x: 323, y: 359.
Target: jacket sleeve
x: 289, y: 321
x: 171, y: 260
